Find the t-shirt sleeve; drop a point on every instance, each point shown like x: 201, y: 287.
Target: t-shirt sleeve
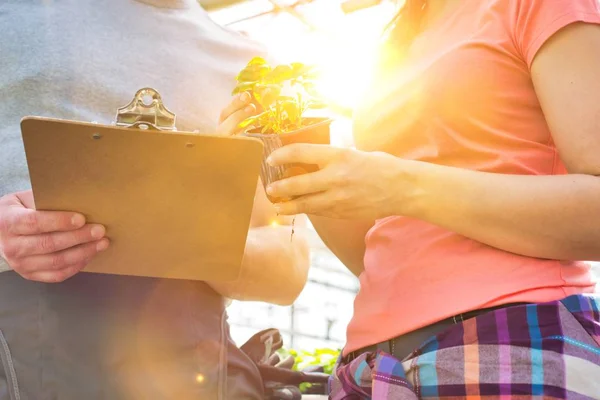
x: 533, y: 22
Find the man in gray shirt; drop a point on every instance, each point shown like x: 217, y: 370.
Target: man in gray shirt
x: 66, y: 334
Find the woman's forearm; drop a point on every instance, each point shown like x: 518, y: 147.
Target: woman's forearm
x: 554, y: 217
x: 274, y: 269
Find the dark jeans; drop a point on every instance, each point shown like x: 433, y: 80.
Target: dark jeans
x: 117, y: 337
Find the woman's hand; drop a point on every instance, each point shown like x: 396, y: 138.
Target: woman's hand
x: 239, y: 109
x: 350, y: 184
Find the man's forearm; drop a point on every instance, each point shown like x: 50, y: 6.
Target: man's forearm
x: 554, y: 217
x: 274, y: 269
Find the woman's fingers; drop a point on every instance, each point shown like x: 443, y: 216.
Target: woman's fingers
x: 299, y: 185
x: 310, y: 204
x: 305, y: 153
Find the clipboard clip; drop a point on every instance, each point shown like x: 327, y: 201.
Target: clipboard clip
x: 146, y: 111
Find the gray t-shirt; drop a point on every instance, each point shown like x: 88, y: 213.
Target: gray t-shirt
x: 81, y: 60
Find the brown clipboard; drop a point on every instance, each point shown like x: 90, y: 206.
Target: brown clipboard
x: 175, y: 204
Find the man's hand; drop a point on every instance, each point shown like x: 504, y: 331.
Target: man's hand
x: 240, y: 108
x: 46, y: 246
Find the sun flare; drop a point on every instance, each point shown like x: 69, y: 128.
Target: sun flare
x: 342, y: 46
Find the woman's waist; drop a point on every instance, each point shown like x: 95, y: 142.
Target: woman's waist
x: 404, y: 344
x: 467, y: 276
x: 428, y: 308
x: 396, y: 244
x: 399, y: 295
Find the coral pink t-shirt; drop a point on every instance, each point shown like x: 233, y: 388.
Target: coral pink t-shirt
x: 465, y: 98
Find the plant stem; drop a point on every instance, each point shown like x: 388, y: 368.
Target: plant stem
x: 300, y: 109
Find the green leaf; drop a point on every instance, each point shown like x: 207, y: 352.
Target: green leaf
x: 310, y: 88
x: 251, y: 120
x: 284, y: 98
x: 279, y: 74
x: 316, y: 104
x: 247, y: 122
x: 257, y: 61
x: 330, y: 352
x: 253, y: 73
x: 266, y: 94
x: 281, y: 113
x: 298, y: 69
x: 304, y: 387
x: 291, y: 108
x: 297, y: 66
x: 244, y: 87
x: 311, y: 73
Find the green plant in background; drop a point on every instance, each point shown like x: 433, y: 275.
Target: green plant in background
x: 325, y: 358
x: 282, y: 94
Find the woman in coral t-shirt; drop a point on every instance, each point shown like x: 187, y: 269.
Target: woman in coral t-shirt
x: 472, y: 197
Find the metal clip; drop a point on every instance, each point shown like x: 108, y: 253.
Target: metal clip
x: 146, y: 111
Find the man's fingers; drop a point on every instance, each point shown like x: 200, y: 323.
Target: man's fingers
x: 274, y: 359
x: 24, y: 221
x: 237, y: 103
x: 55, y: 276
x: 287, y: 363
x: 231, y: 125
x: 304, y: 153
x: 83, y: 253
x: 46, y: 246
x: 47, y: 243
x: 21, y: 217
x: 26, y: 199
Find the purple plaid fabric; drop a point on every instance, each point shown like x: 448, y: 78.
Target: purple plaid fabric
x: 548, y: 350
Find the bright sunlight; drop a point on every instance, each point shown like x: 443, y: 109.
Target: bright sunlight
x: 341, y: 45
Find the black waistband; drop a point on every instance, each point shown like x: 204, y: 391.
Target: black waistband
x: 403, y: 345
